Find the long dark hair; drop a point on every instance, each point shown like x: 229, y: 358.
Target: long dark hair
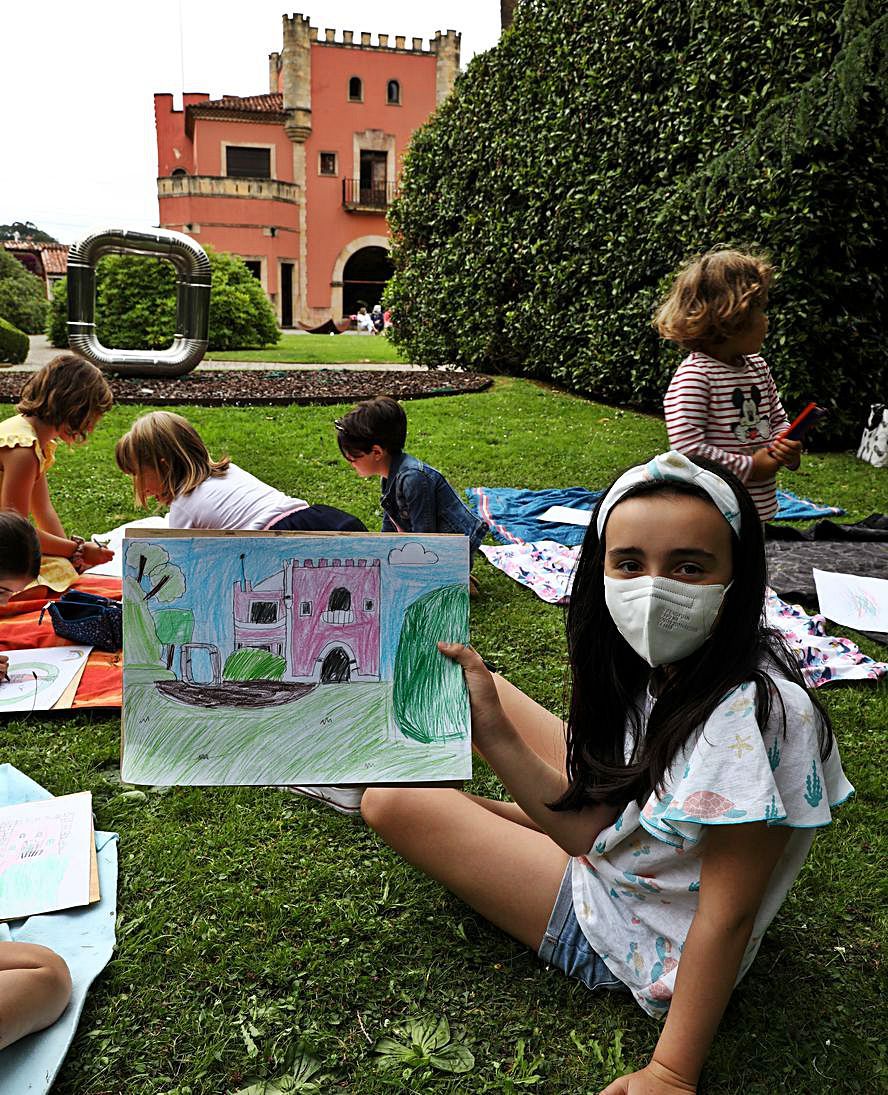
x: 608, y: 678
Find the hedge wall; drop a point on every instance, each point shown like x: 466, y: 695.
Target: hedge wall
x: 22, y: 296
x: 14, y: 344
x: 545, y: 205
x: 136, y: 305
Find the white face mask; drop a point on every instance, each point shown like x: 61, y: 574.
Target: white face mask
x: 661, y: 619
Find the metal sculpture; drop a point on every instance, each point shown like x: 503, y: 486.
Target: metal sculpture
x: 192, y: 300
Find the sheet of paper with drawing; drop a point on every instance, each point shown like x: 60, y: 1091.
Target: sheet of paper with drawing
x: 270, y: 658
x: 852, y: 600
x: 37, y: 678
x: 46, y: 851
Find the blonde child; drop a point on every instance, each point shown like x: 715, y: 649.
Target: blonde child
x: 653, y: 837
x: 35, y: 984
x: 722, y: 403
x: 63, y: 401
x: 168, y: 460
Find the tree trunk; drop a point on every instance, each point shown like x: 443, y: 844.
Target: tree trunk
x: 507, y: 12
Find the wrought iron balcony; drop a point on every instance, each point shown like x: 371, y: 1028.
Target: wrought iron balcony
x: 361, y: 198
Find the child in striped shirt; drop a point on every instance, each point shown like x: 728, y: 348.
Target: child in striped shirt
x: 722, y: 402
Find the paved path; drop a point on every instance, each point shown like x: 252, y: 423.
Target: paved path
x: 41, y: 352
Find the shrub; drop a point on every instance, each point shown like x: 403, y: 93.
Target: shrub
x: 14, y: 344
x: 545, y: 205
x: 22, y: 296
x: 136, y: 305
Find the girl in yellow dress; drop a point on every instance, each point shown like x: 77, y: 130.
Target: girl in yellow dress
x: 62, y: 401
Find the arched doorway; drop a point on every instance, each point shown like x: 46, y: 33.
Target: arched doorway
x: 364, y: 277
x: 336, y: 667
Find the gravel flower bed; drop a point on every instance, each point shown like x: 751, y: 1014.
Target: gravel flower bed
x: 276, y: 386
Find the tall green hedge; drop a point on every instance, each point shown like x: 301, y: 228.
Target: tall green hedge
x: 136, y: 305
x: 544, y: 207
x: 22, y: 296
x: 14, y: 344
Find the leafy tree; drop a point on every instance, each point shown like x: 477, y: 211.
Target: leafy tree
x: 19, y: 230
x: 545, y: 205
x: 136, y: 305
x: 22, y: 296
x: 14, y: 344
x: 429, y: 696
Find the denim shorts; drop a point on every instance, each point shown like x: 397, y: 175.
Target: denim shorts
x: 566, y: 948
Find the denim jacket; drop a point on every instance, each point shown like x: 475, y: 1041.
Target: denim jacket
x: 417, y: 498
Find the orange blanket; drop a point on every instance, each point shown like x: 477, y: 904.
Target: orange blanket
x: 102, y: 682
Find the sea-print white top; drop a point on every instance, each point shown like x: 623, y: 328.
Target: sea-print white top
x: 635, y: 893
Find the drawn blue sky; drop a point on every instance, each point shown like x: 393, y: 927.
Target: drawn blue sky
x: 212, y: 565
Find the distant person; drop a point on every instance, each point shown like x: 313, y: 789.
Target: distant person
x: 19, y: 562
x: 415, y: 497
x: 364, y: 321
x: 378, y: 319
x: 722, y: 402
x: 168, y: 460
x: 63, y: 401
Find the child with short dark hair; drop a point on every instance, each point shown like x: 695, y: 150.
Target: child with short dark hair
x: 63, y: 401
x: 415, y: 496
x: 722, y: 403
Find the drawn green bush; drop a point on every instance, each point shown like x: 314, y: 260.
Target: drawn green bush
x: 251, y: 664
x: 430, y: 698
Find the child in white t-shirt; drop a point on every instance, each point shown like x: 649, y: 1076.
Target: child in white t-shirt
x: 168, y: 461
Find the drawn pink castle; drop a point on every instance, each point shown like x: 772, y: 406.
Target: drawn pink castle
x: 322, y: 617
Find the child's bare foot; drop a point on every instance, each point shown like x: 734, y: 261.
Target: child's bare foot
x: 474, y: 588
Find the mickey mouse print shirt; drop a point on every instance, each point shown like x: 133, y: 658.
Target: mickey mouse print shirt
x: 635, y: 893
x: 725, y: 413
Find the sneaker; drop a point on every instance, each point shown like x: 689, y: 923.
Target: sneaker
x: 344, y: 798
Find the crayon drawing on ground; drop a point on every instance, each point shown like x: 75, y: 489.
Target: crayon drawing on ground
x: 268, y: 658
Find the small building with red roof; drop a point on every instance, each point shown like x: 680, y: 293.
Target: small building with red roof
x: 47, y: 261
x: 297, y: 180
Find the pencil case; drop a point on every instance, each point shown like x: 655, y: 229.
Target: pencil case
x: 87, y: 618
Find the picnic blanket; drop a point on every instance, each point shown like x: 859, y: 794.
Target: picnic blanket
x: 513, y: 514
x: 102, y: 682
x: 83, y: 937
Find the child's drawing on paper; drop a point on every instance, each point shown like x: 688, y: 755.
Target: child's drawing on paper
x: 853, y: 600
x: 294, y: 659
x: 37, y: 678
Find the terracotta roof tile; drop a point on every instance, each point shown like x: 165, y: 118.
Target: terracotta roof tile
x: 54, y: 256
x: 247, y: 104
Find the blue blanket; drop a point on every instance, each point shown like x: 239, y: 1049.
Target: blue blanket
x: 513, y: 514
x: 83, y: 937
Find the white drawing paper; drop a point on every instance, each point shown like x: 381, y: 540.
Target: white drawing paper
x: 853, y: 600
x: 45, y: 849
x: 266, y: 658
x: 113, y: 540
x: 38, y: 677
x: 567, y: 515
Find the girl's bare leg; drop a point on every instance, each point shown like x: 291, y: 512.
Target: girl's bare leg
x: 508, y: 872
x: 35, y: 987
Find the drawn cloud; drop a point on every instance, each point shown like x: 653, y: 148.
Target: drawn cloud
x: 411, y: 555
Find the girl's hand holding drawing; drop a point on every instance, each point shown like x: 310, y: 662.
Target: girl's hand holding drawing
x: 93, y: 553
x: 4, y: 668
x: 530, y: 780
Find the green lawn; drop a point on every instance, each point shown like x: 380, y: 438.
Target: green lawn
x: 252, y: 922
x: 348, y: 349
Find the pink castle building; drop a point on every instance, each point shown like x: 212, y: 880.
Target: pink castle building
x: 322, y: 617
x: 297, y: 180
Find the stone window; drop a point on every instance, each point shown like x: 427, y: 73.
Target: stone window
x: 393, y: 93
x: 368, y: 605
x: 178, y: 172
x: 356, y: 89
x: 339, y: 607
x: 327, y: 163
x: 248, y: 163
x: 305, y: 608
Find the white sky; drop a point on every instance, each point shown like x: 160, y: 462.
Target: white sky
x: 77, y: 80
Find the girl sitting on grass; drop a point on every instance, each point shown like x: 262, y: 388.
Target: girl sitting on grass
x: 167, y: 459
x: 63, y: 401
x: 647, y: 848
x: 35, y: 985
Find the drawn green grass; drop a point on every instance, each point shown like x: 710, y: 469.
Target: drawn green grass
x: 335, y: 734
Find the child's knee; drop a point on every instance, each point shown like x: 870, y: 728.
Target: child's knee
x: 379, y: 806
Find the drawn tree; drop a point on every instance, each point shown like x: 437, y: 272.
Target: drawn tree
x: 430, y: 698
x: 145, y: 633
